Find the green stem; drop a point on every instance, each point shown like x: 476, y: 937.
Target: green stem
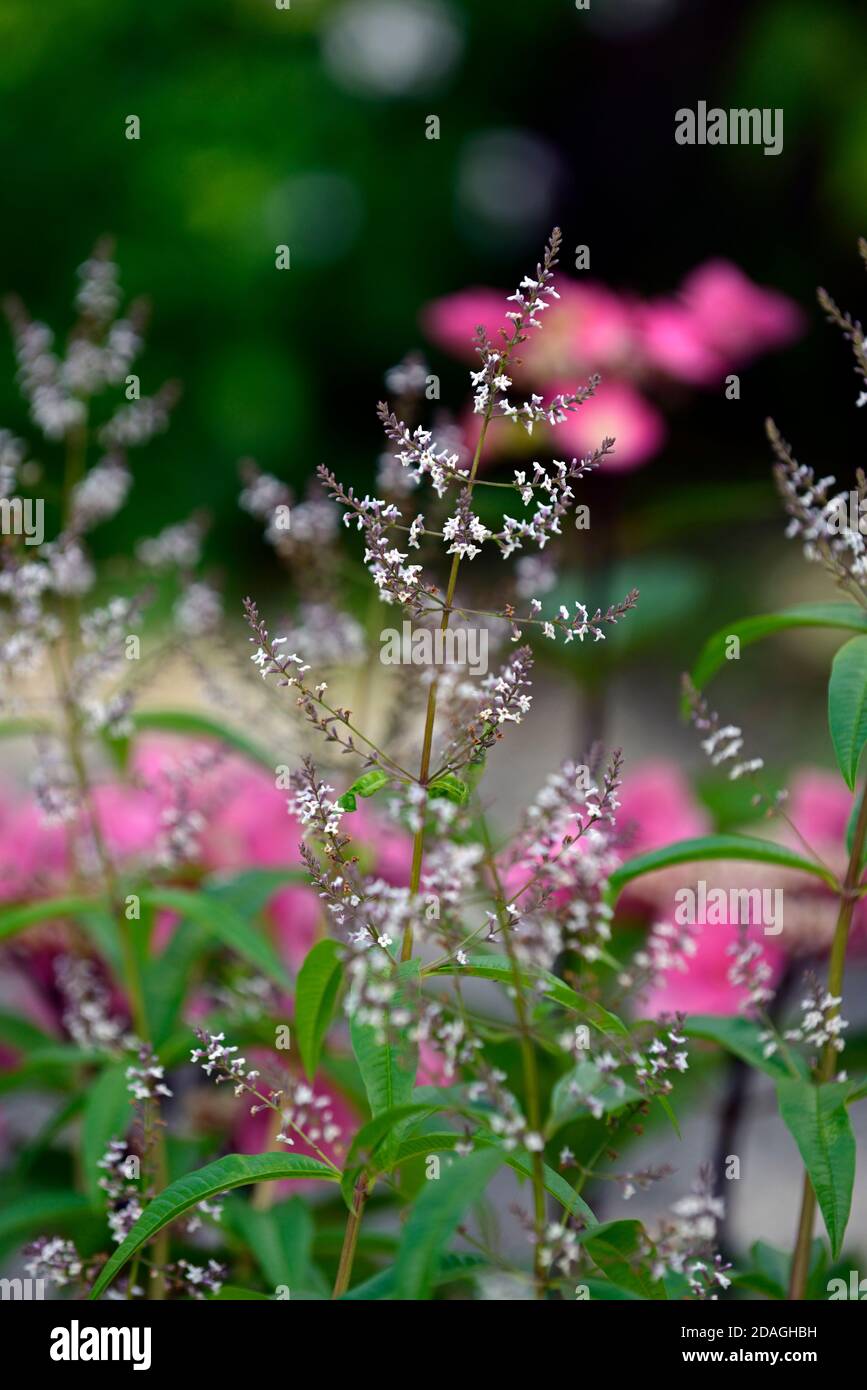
x: 350, y: 1238
x: 828, y: 1063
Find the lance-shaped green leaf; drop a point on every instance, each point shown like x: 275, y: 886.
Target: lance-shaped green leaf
x: 29, y: 1213
x: 236, y: 1170
x: 847, y: 707
x: 571, y: 1201
x: 281, y: 1238
x: 222, y: 920
x: 316, y: 993
x: 16, y: 919
x: 705, y: 847
x: 49, y: 1068
x: 817, y: 1119
x: 167, y: 978
x: 568, y: 1098
x: 107, y: 1116
x: 495, y: 967
x: 370, y: 1149
x: 232, y: 1293
x: 421, y: 1145
x: 748, y: 630
x: 454, y: 1266
x: 433, y: 1218
x: 619, y: 1249
x: 388, y: 1065
x: 742, y: 1037
x: 249, y: 891
x: 21, y: 1034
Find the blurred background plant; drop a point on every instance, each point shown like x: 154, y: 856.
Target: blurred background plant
x: 306, y: 127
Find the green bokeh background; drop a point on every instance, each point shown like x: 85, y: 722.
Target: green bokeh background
x: 249, y: 140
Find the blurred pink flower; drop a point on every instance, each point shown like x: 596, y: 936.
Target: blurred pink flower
x: 735, y: 317
x: 718, y: 320
x: 704, y: 986
x: 128, y: 819
x: 247, y: 825
x: 619, y: 412
x: 672, y: 340
x: 32, y: 854
x: 657, y: 806
x: 819, y: 805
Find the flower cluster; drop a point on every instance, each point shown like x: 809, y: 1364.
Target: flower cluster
x: 54, y: 1259
x: 87, y: 1013
x: 821, y: 1024
x: 722, y: 742
x: 751, y: 972
x: 685, y: 1244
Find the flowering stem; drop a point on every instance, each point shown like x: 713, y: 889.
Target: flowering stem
x: 430, y: 717
x: 528, y: 1060
x: 132, y: 973
x: 828, y: 1063
x: 350, y: 1238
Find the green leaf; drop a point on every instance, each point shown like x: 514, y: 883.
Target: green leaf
x: 769, y: 1274
x: 316, y: 993
x: 617, y: 1248
x: 30, y: 1213
x: 102, y: 928
x: 565, y: 1106
x: 450, y: 787
x: 362, y: 1151
x: 231, y: 1293
x: 387, y: 1069
x: 740, y: 847
x: 30, y: 1153
x: 15, y: 919
x: 167, y: 977
x: 570, y: 1200
x: 847, y: 707
x: 420, y: 1145
x: 236, y: 1170
x: 21, y: 728
x: 174, y: 721
x: 21, y: 1034
x: 453, y: 1267
x: 741, y: 1036
x: 369, y: 1152
x: 494, y: 967
x: 51, y: 1067
x: 221, y: 919
x: 106, y: 1116
x: 433, y: 1218
x: 281, y: 1238
x: 817, y: 1119
x: 749, y: 630
x: 367, y: 785
x: 249, y: 891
